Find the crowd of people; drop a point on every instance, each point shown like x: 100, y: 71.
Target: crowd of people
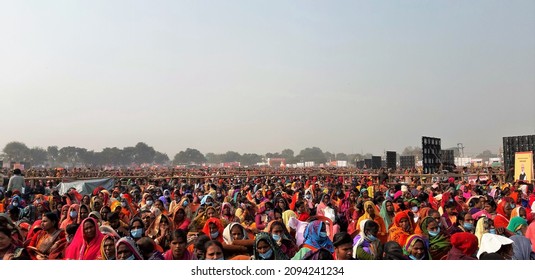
x: 276, y: 217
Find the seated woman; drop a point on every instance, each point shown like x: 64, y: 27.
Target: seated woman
x: 393, y: 251
x: 315, y: 238
x: 464, y: 246
x: 439, y: 243
x: 8, y: 249
x: 180, y: 219
x: 86, y: 242
x: 178, y: 247
x: 126, y: 249
x: 214, y: 229
x: 265, y: 248
x: 282, y: 238
x: 518, y: 225
x: 107, y: 247
x: 343, y: 246
x: 366, y: 245
x: 49, y: 243
x: 213, y: 250
x: 160, y: 231
x: 402, y: 229
x: 417, y: 248
x: 236, y: 241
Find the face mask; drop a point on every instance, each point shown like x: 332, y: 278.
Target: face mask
x: 209, y: 203
x: 267, y: 254
x: 219, y: 195
x: 123, y: 204
x: 73, y: 214
x: 185, y: 203
x: 220, y: 259
x: 136, y: 233
x: 519, y: 232
x: 214, y: 235
x: 513, y: 205
x: 307, y: 196
x: 323, y: 234
x: 372, y: 238
x: 413, y: 257
x: 276, y: 237
x: 468, y: 226
x: 434, y: 233
x: 131, y: 258
x: 150, y: 202
x: 414, y: 209
x: 69, y: 239
x: 492, y: 230
x: 38, y: 201
x: 15, y: 203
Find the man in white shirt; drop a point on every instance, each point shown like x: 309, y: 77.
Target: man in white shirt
x: 16, y: 182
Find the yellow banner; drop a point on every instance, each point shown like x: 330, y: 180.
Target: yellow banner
x: 524, y: 166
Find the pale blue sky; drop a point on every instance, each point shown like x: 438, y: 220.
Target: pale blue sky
x: 262, y: 76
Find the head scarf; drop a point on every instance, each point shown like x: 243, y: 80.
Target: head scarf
x: 393, y: 251
x: 465, y: 242
x: 516, y: 223
x: 227, y: 236
x: 521, y: 248
x: 154, y: 228
x: 491, y: 243
x: 69, y: 220
x: 106, y: 237
x: 411, y: 240
x: 439, y: 245
x: 217, y: 222
x: 385, y: 215
x: 481, y: 228
x: 79, y: 249
x: 132, y: 246
x: 96, y: 215
x: 277, y: 252
x: 312, y: 236
x: 286, y: 215
x: 516, y: 212
x: 363, y: 240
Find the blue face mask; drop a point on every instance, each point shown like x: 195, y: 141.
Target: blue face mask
x: 323, y: 234
x: 492, y: 230
x: 131, y: 258
x: 267, y: 254
x: 468, y: 226
x: 185, y: 203
x: 73, y: 214
x: 434, y: 233
x: 519, y: 232
x: 276, y: 237
x: 413, y: 257
x: 136, y: 233
x: 372, y: 238
x: 214, y: 235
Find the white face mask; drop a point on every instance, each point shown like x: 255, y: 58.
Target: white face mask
x: 131, y: 258
x: 150, y: 202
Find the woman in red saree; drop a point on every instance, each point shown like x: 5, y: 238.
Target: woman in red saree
x: 86, y: 242
x: 48, y: 243
x: 503, y: 212
x: 402, y: 229
x: 72, y: 216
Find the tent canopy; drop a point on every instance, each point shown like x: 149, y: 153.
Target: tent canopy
x: 86, y: 186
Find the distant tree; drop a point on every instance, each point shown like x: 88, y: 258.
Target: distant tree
x: 273, y: 155
x: 329, y: 156
x: 341, y: 156
x: 231, y: 156
x: 214, y: 158
x: 486, y: 154
x: 314, y: 154
x: 16, y: 152
x: 144, y: 153
x: 161, y: 158
x: 53, y: 153
x: 189, y: 156
x: 38, y: 156
x: 250, y: 159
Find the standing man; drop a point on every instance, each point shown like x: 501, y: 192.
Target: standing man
x: 16, y: 182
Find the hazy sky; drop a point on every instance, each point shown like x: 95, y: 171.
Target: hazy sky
x: 262, y: 76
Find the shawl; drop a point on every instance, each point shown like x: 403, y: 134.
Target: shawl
x: 277, y: 252
x: 79, y: 249
x: 396, y: 233
x: 386, y: 217
x: 69, y: 220
x: 131, y: 245
x: 106, y: 237
x: 521, y: 248
x: 217, y: 222
x: 313, y: 239
x: 439, y: 245
x: 411, y: 240
x: 227, y: 236
x: 516, y: 223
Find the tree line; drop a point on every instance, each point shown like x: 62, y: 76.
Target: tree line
x: 142, y: 153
